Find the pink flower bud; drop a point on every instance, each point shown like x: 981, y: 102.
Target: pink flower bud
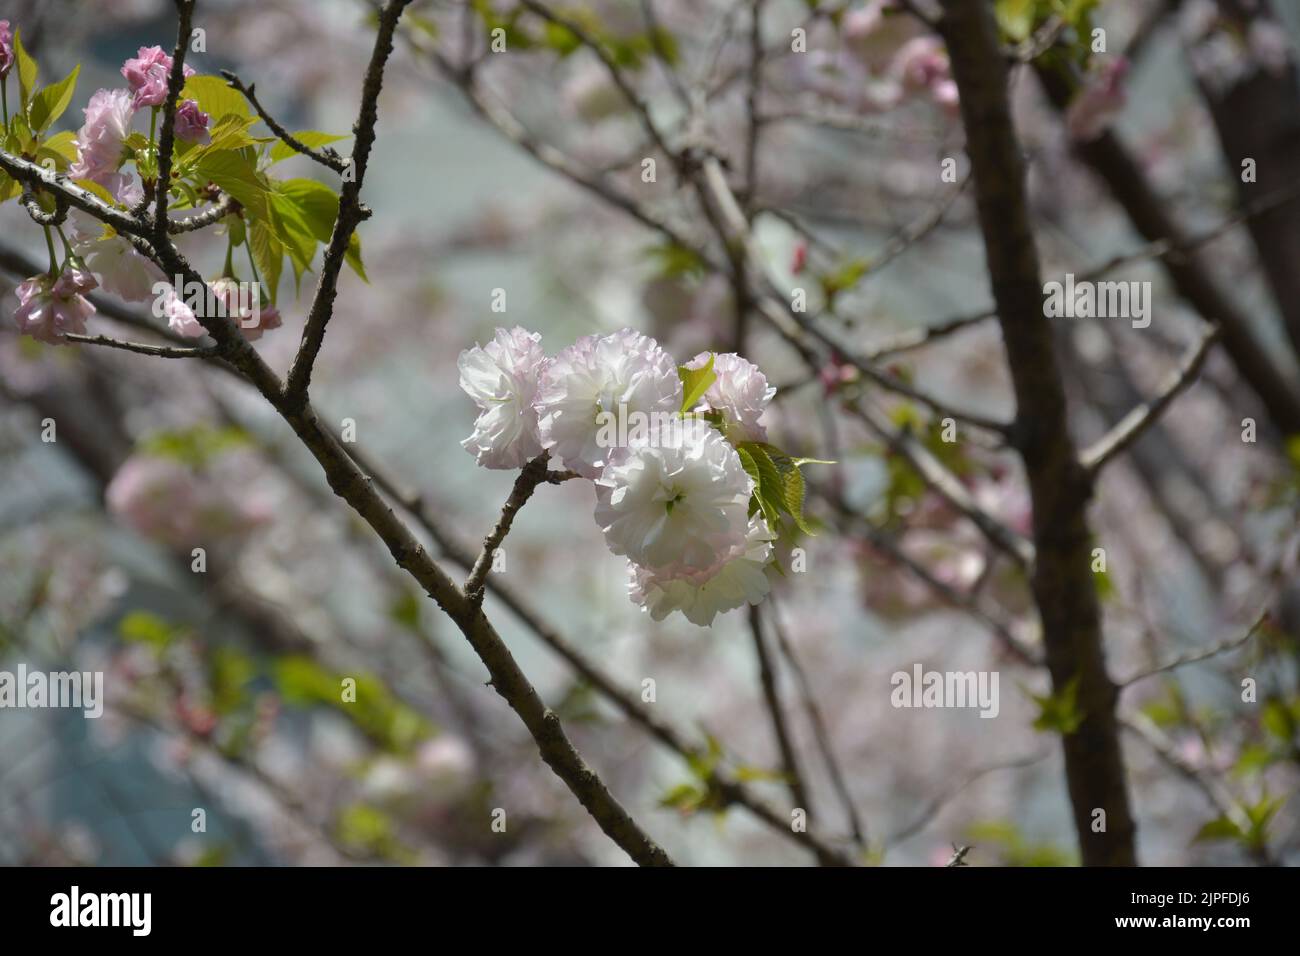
x: 192, y: 123
x: 6, y: 48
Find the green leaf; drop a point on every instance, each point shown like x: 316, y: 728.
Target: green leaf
x: 1276, y: 719
x: 27, y: 71
x: 1254, y: 759
x: 318, y: 206
x: 9, y: 189
x: 560, y: 39
x: 313, y: 138
x: 196, y: 445
x: 229, y: 132
x: 60, y: 146
x: 93, y: 187
x: 795, y: 492
x: 1060, y: 712
x: 695, y: 382
x: 294, y: 232
x: 236, y: 174
x: 1220, y: 828
x: 141, y: 627
x: 676, y: 261
x: 770, y: 487
x: 232, y: 671
x: 216, y: 98
x: 268, y: 254
x: 845, y: 277
x: 1016, y: 17
x: 49, y: 104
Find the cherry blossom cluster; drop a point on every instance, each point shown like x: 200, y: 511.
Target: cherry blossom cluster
x: 670, y: 451
x: 112, y: 156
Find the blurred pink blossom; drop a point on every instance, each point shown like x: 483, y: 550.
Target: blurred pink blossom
x: 1102, y: 99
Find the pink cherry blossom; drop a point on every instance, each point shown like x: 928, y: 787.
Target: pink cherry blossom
x: 48, y: 309
x: 147, y: 75
x: 615, y: 375
x: 736, y: 577
x: 180, y: 317
x: 242, y: 305
x: 502, y: 377
x: 100, y: 141
x: 921, y: 65
x: 169, y: 501
x: 740, y: 392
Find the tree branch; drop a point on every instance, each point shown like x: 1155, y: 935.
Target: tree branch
x: 351, y: 212
x: 157, y: 351
x: 327, y: 156
x: 530, y: 476
x: 1195, y: 657
x: 1063, y: 584
x: 776, y: 712
x: 1132, y: 426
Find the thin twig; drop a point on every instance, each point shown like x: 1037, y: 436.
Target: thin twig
x: 350, y: 213
x: 821, y: 732
x: 530, y: 476
x: 767, y: 679
x: 326, y: 155
x: 1204, y: 654
x: 1132, y: 426
x: 157, y: 351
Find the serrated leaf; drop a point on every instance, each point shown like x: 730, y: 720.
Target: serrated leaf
x: 229, y: 132
x: 237, y: 175
x: 49, y: 104
x: 695, y: 382
x: 313, y: 138
x: 771, y: 487
x: 27, y: 71
x: 294, y: 233
x: 268, y: 254
x: 216, y: 98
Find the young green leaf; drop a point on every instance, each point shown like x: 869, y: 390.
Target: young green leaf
x: 235, y: 173
x: 216, y: 98
x: 49, y: 104
x: 695, y: 382
x: 27, y: 71
x: 268, y: 254
x: 312, y: 138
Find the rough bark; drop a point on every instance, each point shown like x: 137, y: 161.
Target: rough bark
x: 1063, y: 585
